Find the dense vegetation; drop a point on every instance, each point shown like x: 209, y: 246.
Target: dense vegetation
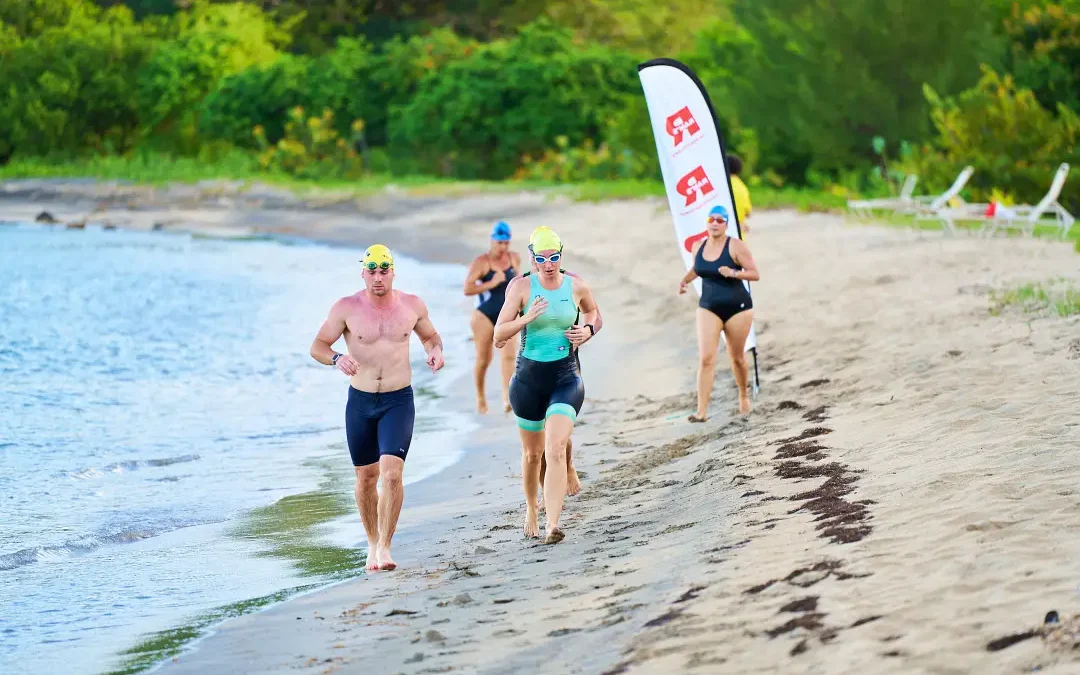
x: 839, y: 95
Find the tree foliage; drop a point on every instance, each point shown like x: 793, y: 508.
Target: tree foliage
x: 1044, y: 51
x: 206, y: 44
x: 819, y: 79
x: 355, y: 80
x: 807, y: 91
x: 66, y: 82
x: 30, y: 18
x: 477, y: 116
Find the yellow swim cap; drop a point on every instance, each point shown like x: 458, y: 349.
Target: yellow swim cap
x: 378, y: 256
x: 543, y: 239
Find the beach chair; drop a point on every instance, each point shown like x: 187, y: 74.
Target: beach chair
x: 865, y: 206
x: 929, y: 207
x: 1024, y: 217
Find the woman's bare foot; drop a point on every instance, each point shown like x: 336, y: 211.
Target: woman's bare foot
x: 481, y: 406
x: 386, y: 563
x: 554, y: 536
x: 507, y: 408
x: 532, y: 522
x: 573, y: 485
x: 744, y: 405
x: 697, y: 418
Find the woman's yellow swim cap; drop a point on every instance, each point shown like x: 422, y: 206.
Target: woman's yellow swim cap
x: 543, y: 239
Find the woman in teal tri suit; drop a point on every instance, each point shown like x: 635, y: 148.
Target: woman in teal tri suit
x: 546, y: 392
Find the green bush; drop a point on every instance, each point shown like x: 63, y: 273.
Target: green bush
x: 311, y: 148
x: 258, y: 96
x: 67, y: 86
x: 342, y: 80
x: 626, y: 151
x: 1044, y: 51
x: 476, y: 117
x: 354, y: 80
x: 207, y: 44
x: 399, y: 67
x: 587, y: 162
x: 30, y: 18
x: 1014, y: 144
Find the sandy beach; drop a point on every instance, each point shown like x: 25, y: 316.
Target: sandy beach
x: 905, y: 494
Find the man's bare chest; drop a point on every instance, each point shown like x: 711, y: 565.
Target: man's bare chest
x: 368, y: 327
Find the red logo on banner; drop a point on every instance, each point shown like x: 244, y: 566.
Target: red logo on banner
x: 693, y: 185
x: 690, y: 241
x: 682, y: 122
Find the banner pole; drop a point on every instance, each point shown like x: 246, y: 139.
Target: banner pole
x: 757, y: 380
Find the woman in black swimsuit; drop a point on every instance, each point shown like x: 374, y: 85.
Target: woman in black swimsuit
x: 487, y: 279
x: 722, y: 263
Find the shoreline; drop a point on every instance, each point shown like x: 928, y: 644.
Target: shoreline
x: 900, y: 499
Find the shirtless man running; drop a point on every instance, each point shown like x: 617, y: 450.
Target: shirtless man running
x: 376, y: 323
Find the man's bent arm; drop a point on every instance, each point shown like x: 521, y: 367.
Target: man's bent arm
x: 425, y: 330
x: 322, y: 349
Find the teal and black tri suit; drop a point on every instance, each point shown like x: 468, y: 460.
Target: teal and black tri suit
x: 548, y: 379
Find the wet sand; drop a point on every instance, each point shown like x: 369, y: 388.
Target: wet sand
x: 905, y: 497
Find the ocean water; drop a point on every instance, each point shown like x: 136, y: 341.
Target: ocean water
x: 170, y: 455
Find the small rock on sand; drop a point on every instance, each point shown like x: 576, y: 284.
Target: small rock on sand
x: 434, y: 636
x: 463, y: 599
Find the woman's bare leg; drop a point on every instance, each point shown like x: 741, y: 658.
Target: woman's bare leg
x: 709, y: 327
x: 736, y: 330
x: 483, y: 334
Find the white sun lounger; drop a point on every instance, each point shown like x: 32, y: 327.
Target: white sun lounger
x: 928, y: 207
x: 864, y: 206
x: 1023, y: 217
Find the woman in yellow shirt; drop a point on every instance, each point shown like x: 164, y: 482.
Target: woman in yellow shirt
x: 740, y: 193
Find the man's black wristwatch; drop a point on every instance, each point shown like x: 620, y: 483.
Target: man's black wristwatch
x: 333, y: 361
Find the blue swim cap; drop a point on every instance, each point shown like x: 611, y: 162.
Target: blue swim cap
x: 719, y: 210
x: 501, y: 231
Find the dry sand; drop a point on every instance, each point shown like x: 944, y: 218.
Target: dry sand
x: 905, y: 493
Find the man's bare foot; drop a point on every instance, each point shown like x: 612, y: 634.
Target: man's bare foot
x: 573, y: 485
x: 372, y: 559
x: 554, y: 536
x: 386, y: 563
x: 744, y: 405
x: 697, y: 418
x: 481, y: 406
x: 532, y: 523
